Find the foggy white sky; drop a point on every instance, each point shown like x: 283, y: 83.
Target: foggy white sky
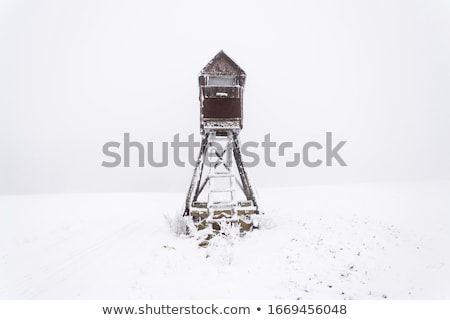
x: 76, y: 75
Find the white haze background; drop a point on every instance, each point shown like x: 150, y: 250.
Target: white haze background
x: 74, y: 75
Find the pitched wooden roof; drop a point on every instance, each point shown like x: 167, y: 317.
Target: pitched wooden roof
x: 222, y: 64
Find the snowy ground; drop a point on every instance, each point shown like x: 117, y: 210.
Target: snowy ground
x: 341, y: 242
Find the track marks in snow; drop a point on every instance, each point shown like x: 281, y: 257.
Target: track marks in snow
x: 78, y: 257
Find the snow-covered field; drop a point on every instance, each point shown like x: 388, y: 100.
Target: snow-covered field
x: 360, y: 241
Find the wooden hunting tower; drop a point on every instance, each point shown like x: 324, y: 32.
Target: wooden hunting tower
x: 221, y: 192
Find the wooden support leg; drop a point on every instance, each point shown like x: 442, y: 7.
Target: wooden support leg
x: 248, y: 190
x: 196, y: 178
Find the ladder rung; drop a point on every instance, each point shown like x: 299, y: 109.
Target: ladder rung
x: 223, y: 190
x: 221, y: 175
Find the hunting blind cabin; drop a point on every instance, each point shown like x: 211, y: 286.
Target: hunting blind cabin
x: 220, y: 190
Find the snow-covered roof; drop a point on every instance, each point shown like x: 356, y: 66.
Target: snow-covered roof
x: 222, y: 64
